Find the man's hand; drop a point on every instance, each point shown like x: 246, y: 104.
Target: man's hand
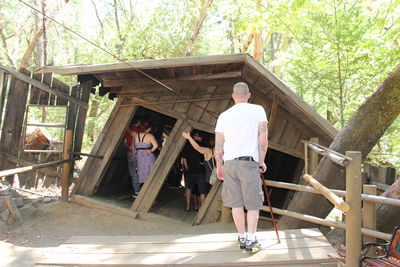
x: 263, y: 167
x: 220, y: 173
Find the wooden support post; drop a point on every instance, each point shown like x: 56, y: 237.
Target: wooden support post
x: 369, y: 216
x: 306, y: 158
x: 226, y: 216
x: 313, y: 157
x: 66, y: 166
x: 353, y: 217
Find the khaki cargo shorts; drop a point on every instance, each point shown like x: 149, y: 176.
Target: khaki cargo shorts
x: 242, y: 185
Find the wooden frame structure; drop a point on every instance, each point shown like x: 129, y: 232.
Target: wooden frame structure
x: 194, y: 91
x: 20, y: 89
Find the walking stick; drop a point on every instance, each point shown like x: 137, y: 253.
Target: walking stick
x: 270, y: 207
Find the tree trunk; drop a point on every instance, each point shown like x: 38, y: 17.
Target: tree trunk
x: 389, y: 216
x: 257, y: 53
x: 32, y: 45
x: 197, y: 27
x: 361, y: 133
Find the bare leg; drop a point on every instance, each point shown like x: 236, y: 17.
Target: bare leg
x: 188, y: 194
x: 239, y: 219
x: 201, y: 200
x: 252, y: 220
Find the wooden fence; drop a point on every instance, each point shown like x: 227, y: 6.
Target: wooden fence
x: 351, y: 207
x: 20, y: 89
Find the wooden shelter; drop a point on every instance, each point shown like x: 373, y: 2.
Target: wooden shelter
x: 190, y: 93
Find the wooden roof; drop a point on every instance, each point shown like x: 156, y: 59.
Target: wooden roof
x: 123, y: 77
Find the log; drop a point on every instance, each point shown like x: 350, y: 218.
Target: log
x: 92, y: 203
x: 334, y: 199
x: 12, y: 208
x: 66, y: 171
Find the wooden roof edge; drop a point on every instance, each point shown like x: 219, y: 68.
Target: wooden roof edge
x: 293, y: 97
x: 78, y: 69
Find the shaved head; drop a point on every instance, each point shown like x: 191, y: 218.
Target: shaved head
x: 241, y: 89
x: 240, y: 92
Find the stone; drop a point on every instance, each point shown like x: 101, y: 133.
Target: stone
x: 27, y: 211
x: 4, y: 215
x: 3, y: 227
x: 18, y: 201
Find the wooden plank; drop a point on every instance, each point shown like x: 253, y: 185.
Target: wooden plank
x: 35, y: 92
x: 107, y: 145
x: 161, y: 168
x: 84, y: 89
x: 96, y: 147
x: 62, y: 87
x: 44, y: 95
x: 41, y: 86
x: 3, y: 92
x: 92, y: 203
x: 210, y: 206
x: 215, y: 76
x: 180, y: 238
x: 214, y: 258
x: 273, y: 112
x: 194, y: 247
x: 146, y: 64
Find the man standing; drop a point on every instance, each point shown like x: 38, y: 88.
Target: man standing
x: 241, y: 142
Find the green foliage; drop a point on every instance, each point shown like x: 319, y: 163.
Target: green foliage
x: 333, y: 53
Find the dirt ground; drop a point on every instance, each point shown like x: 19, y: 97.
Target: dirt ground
x: 55, y: 222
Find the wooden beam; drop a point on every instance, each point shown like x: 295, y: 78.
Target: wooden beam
x: 202, y: 77
x: 287, y: 150
x: 42, y: 86
x: 66, y: 169
x: 23, y: 162
x: 97, y: 149
x: 92, y: 203
x: 106, y: 145
x: 178, y: 101
x: 145, y: 64
x: 328, y: 194
x: 33, y: 167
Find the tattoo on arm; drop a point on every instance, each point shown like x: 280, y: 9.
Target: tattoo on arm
x: 262, y: 139
x: 219, y: 148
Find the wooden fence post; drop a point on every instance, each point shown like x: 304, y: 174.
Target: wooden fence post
x: 353, y: 217
x: 313, y: 157
x: 369, y: 216
x: 66, y: 166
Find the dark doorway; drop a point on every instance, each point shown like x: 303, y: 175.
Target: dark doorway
x: 116, y: 184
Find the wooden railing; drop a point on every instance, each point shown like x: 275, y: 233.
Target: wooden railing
x: 351, y: 207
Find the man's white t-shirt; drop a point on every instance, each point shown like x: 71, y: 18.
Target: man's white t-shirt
x: 239, y: 124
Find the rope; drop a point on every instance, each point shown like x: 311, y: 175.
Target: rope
x: 113, y: 55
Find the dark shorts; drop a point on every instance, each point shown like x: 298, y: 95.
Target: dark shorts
x: 199, y: 179
x: 242, y: 185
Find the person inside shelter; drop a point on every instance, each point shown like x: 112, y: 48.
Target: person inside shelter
x: 194, y: 171
x: 144, y: 146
